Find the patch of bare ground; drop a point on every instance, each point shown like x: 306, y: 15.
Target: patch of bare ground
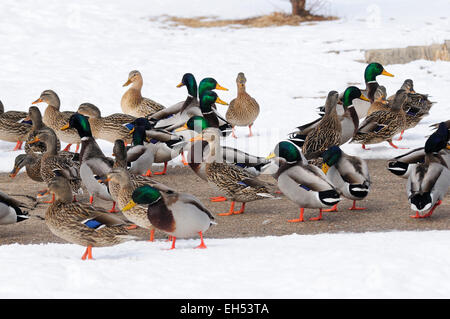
x: 269, y: 20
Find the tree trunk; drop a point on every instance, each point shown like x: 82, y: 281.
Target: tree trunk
x: 298, y: 7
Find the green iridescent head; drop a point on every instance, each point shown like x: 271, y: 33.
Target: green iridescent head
x: 146, y: 195
x: 197, y: 123
x: 208, y: 99
x: 373, y: 70
x: 208, y: 84
x: 351, y: 93
x: 80, y: 123
x: 139, y: 135
x: 189, y: 81
x: 332, y: 155
x: 288, y: 151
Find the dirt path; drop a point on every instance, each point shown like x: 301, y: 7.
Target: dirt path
x: 387, y: 209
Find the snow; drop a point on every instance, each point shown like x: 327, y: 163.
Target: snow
x: 84, y: 50
x: 366, y: 265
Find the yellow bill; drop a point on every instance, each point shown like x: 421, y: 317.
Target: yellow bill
x: 325, y: 167
x: 362, y: 97
x: 131, y: 131
x: 65, y: 127
x: 218, y: 100
x: 129, y: 206
x: 180, y: 85
x: 387, y: 73
x: 199, y: 137
x: 271, y: 155
x: 182, y: 128
x: 219, y: 87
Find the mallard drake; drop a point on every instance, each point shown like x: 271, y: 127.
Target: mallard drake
x: 243, y: 110
x: 235, y: 182
x: 403, y: 165
x: 51, y: 161
x: 93, y: 163
x: 371, y: 72
x: 303, y: 183
x: 10, y: 212
x: 108, y: 128
x: 142, y: 156
x: 35, y: 116
x: 133, y: 103
x: 193, y: 108
x: 80, y: 223
x: 328, y: 132
x: 383, y: 125
x: 180, y: 215
x: 55, y: 119
x: 348, y: 174
x: 32, y: 164
x: 349, y: 119
x: 429, y: 181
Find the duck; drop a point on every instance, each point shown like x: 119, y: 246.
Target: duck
x: 108, y: 128
x: 429, y: 181
x: 230, y: 180
x: 383, y: 125
x: 133, y: 103
x: 348, y: 174
x: 416, y: 107
x: 371, y: 72
x: 13, y: 116
x: 55, y: 119
x: 403, y: 165
x: 51, y: 161
x: 303, y: 183
x: 13, y: 126
x: 93, y: 162
x: 81, y: 223
x: 124, y: 184
x: 35, y: 116
x: 328, y: 132
x: 348, y: 118
x: 10, y: 210
x: 142, y: 156
x: 244, y: 109
x: 32, y: 164
x: 180, y: 215
x: 198, y: 150
x: 194, y: 108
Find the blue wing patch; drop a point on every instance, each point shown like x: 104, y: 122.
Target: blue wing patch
x: 27, y: 122
x: 154, y: 141
x: 305, y: 187
x: 129, y: 126
x: 92, y: 223
x: 240, y: 164
x: 242, y: 183
x: 378, y: 128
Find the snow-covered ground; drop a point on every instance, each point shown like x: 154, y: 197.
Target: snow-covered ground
x: 368, y: 265
x: 84, y: 51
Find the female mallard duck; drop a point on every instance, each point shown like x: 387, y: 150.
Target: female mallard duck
x: 13, y: 116
x: 303, y: 183
x: 10, y: 212
x: 179, y: 215
x: 383, y: 125
x: 80, y: 223
x: 51, y: 161
x: 123, y: 184
x: 243, y: 110
x: 235, y: 182
x: 403, y: 165
x: 108, y: 128
x: 133, y: 103
x: 192, y: 107
x: 349, y: 119
x: 199, y: 150
x: 429, y: 181
x: 35, y: 116
x: 55, y: 119
x: 371, y: 72
x: 328, y: 132
x: 348, y: 174
x: 93, y: 163
x: 142, y: 156
x: 32, y: 164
